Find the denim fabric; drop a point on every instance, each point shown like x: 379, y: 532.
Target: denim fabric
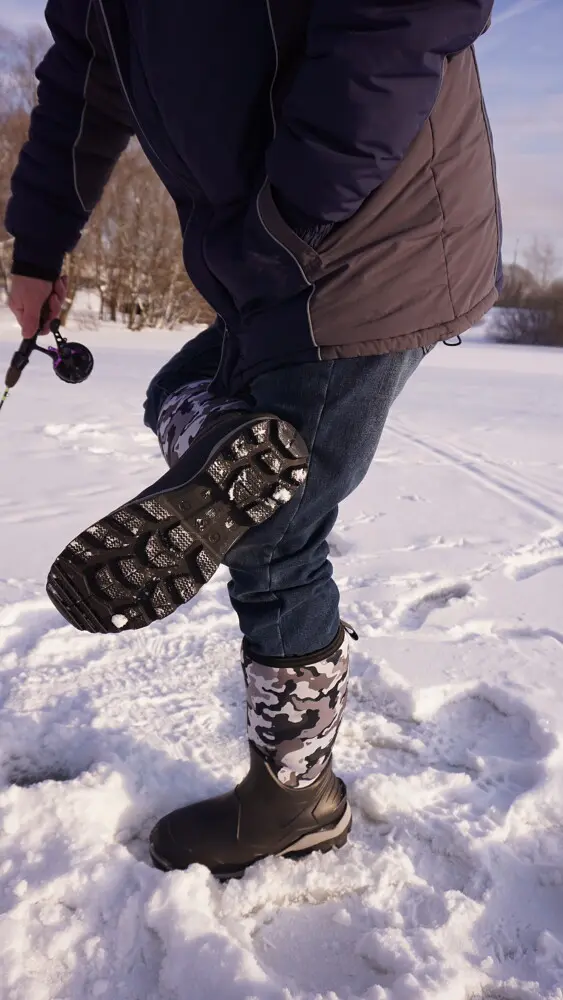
x: 281, y: 586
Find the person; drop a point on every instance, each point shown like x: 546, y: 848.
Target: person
x: 334, y: 176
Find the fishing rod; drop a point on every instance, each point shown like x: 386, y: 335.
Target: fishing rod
x: 72, y: 362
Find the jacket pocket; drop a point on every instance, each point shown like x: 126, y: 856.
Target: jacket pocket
x: 257, y: 257
x: 308, y: 259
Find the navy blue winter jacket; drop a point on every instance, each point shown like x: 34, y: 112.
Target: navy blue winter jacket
x: 244, y: 107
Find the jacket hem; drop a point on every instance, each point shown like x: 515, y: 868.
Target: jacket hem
x: 246, y: 373
x: 417, y: 338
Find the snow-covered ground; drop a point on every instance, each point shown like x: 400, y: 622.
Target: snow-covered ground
x: 450, y: 561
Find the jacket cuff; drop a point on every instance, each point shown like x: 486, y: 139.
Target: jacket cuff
x: 27, y: 269
x: 36, y: 260
x: 310, y: 230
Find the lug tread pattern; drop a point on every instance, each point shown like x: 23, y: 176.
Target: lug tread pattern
x: 150, y: 556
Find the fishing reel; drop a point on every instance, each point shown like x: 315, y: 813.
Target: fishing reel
x: 72, y: 362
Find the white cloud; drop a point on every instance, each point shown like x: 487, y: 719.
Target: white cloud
x: 530, y: 187
x: 17, y: 15
x: 518, y: 7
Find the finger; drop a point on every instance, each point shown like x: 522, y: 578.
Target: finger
x: 61, y: 287
x: 29, y: 321
x: 55, y: 306
x: 45, y: 316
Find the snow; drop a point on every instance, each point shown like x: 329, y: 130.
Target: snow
x: 450, y: 561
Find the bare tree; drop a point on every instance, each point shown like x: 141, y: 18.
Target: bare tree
x: 543, y: 261
x: 518, y: 284
x: 533, y: 301
x: 131, y: 250
x: 20, y: 54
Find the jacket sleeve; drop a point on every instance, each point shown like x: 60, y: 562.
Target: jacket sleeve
x: 78, y: 129
x: 370, y: 78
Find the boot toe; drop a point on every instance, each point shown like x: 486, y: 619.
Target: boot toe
x: 165, y: 850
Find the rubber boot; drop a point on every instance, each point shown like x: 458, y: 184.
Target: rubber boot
x: 290, y: 803
x: 143, y: 560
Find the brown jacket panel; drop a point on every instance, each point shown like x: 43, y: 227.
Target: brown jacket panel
x: 418, y: 261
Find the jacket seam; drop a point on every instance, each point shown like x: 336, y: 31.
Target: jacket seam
x: 188, y: 223
x: 394, y: 343
x: 429, y: 334
x: 140, y: 128
x: 488, y: 130
x: 442, y: 218
x: 84, y: 109
x: 260, y: 216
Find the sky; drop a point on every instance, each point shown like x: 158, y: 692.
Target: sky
x: 522, y: 74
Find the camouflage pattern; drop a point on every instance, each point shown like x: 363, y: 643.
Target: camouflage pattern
x: 183, y: 415
x: 294, y: 713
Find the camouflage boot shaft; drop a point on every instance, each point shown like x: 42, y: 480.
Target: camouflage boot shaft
x: 294, y: 708
x: 184, y: 413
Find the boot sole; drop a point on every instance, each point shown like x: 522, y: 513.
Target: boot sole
x: 323, y: 841
x: 153, y: 554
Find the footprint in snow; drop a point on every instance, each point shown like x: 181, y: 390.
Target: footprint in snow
x: 24, y: 623
x: 468, y: 761
x: 515, y: 992
x: 413, y: 498
x: 500, y: 749
x: 34, y: 751
x: 542, y: 555
x: 329, y: 931
x: 103, y: 439
x: 411, y: 613
x: 27, y: 773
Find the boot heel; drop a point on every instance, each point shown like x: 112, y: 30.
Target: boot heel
x: 323, y: 846
x: 342, y: 839
x: 338, y: 842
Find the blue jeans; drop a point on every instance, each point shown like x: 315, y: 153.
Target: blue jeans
x: 281, y: 586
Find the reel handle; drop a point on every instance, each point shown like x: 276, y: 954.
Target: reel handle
x: 23, y: 353
x: 19, y: 361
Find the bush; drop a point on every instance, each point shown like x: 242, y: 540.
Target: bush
x: 519, y: 282
x: 531, y: 300
x: 538, y: 320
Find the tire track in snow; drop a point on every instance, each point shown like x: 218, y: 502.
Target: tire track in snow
x: 510, y: 473
x: 506, y: 485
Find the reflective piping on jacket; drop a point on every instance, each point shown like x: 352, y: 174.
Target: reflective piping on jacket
x: 270, y: 233
x: 139, y: 126
x: 124, y: 88
x: 84, y: 106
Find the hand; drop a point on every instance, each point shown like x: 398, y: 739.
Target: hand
x: 29, y: 295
